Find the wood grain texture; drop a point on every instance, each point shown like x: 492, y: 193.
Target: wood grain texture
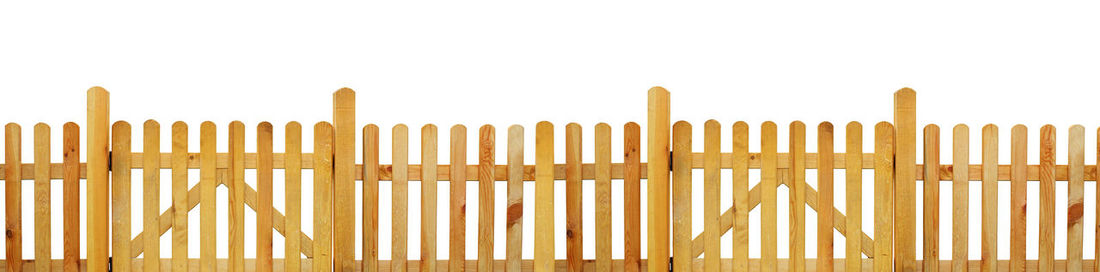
x: 399, y: 215
x: 544, y: 197
x: 1018, y: 200
x: 741, y: 207
x: 931, y: 209
x: 768, y: 205
x: 884, y: 200
x: 681, y: 197
x: 343, y: 195
x: 905, y: 182
x: 293, y: 179
x: 98, y: 180
x: 602, y: 197
x: 486, y: 197
x: 264, y: 196
x: 960, y: 198
x: 370, y: 197
x: 322, y: 191
x: 825, y: 197
x: 151, y: 194
x: 1075, y: 230
x: 429, y: 192
x: 853, y: 186
x: 235, y: 182
x: 1046, y: 197
x: 632, y: 195
x: 70, y: 196
x: 179, y: 196
x: 514, y: 225
x: 120, y: 198
x: 458, y: 200
x: 797, y: 197
x: 989, y: 198
x: 574, y: 235
x: 208, y: 186
x: 657, y: 222
x: 13, y: 200
x: 712, y: 186
x: 42, y: 226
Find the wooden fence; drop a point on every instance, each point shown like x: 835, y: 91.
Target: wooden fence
x: 668, y: 170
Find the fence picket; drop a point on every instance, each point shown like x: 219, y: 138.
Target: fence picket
x: 712, y: 186
x: 514, y: 247
x: 400, y: 199
x: 429, y: 191
x: 825, y: 197
x: 884, y: 197
x: 370, y: 197
x: 264, y: 196
x: 208, y: 185
x: 544, y: 197
x: 574, y: 245
x: 42, y: 233
x: 931, y: 198
x: 98, y: 181
x: 657, y: 179
x: 179, y: 196
x: 71, y: 196
x: 632, y: 194
x: 322, y: 191
x: 486, y: 194
x: 293, y: 178
x: 905, y: 181
x: 1018, y: 201
x: 797, y: 185
x: 1076, y: 196
x: 1046, y: 197
x: 681, y: 197
x: 151, y: 198
x: 741, y: 207
x: 602, y: 196
x: 13, y: 200
x: 236, y: 186
x: 457, y: 260
x: 768, y: 183
x: 960, y: 202
x: 989, y: 198
x: 853, y: 186
x: 343, y: 195
x: 120, y: 197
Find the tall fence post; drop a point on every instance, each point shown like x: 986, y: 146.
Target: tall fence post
x: 98, y: 220
x: 657, y: 178
x: 905, y: 179
x: 343, y: 117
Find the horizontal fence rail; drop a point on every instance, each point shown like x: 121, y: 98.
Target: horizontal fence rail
x: 890, y: 244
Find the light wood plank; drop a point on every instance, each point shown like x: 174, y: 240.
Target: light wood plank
x: 741, y: 207
x: 1046, y: 197
x: 1075, y: 229
x: 574, y: 235
x: 853, y: 192
x: 458, y: 200
x: 264, y: 196
x: 797, y: 198
x: 98, y: 188
x: 884, y: 197
x: 931, y: 209
x: 602, y: 197
x: 151, y: 196
x: 712, y: 186
x: 343, y: 195
x: 370, y: 197
x: 905, y: 181
x: 399, y: 214
x: 825, y: 197
x: 768, y: 205
x: 1018, y: 194
x: 544, y: 197
x: 13, y: 200
x: 632, y: 194
x: 989, y: 198
x: 70, y: 196
x: 514, y: 247
x: 960, y: 202
x: 681, y: 197
x: 179, y: 196
x: 429, y: 191
x: 42, y: 227
x: 236, y: 185
x: 208, y: 185
x: 293, y: 178
x: 658, y: 131
x: 120, y: 197
x: 486, y: 195
x: 322, y: 192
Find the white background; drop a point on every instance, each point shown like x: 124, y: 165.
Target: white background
x: 503, y: 63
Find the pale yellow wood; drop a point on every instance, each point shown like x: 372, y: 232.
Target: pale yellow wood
x: 797, y: 197
x: 1046, y: 196
x: 399, y: 240
x: 602, y: 197
x: 343, y: 194
x: 235, y: 182
x: 884, y: 200
x: 458, y: 200
x: 1075, y: 229
x: 657, y: 137
x: 71, y: 196
x: 574, y: 234
x: 712, y: 186
x: 120, y: 198
x: 544, y: 197
x: 681, y: 197
x: 931, y: 209
x: 265, y: 197
x: 1018, y: 194
x: 13, y: 200
x: 741, y: 207
x: 370, y: 197
x: 905, y: 181
x: 989, y: 198
x: 825, y: 197
x: 514, y: 247
x: 486, y: 196
x: 208, y: 186
x: 429, y: 191
x: 960, y: 194
x: 322, y: 193
x: 180, y: 196
x: 768, y: 205
x: 293, y: 178
x: 853, y: 192
x: 632, y: 194
x: 98, y: 181
x: 42, y: 227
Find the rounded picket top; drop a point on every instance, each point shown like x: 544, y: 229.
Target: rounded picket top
x: 854, y: 125
x: 740, y: 125
x: 42, y: 126
x: 515, y: 130
x: 97, y: 90
x: 544, y: 125
x: 658, y: 90
x: 151, y: 125
x: 572, y: 126
x: 603, y: 126
x: 293, y: 126
x: 70, y: 125
x: 905, y: 91
x: 368, y: 127
x: 179, y: 125
x: 400, y: 126
x: 961, y: 127
x: 12, y: 126
x: 233, y: 125
x: 428, y: 129
x: 265, y: 126
x: 825, y: 126
x: 712, y: 124
x: 120, y: 125
x: 884, y: 127
x: 325, y: 125
x: 768, y: 125
x: 931, y: 129
x: 1076, y: 129
x: 681, y: 125
x: 1022, y: 130
x: 632, y: 126
x: 343, y: 92
x: 487, y: 130
x: 208, y: 125
x: 458, y: 129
